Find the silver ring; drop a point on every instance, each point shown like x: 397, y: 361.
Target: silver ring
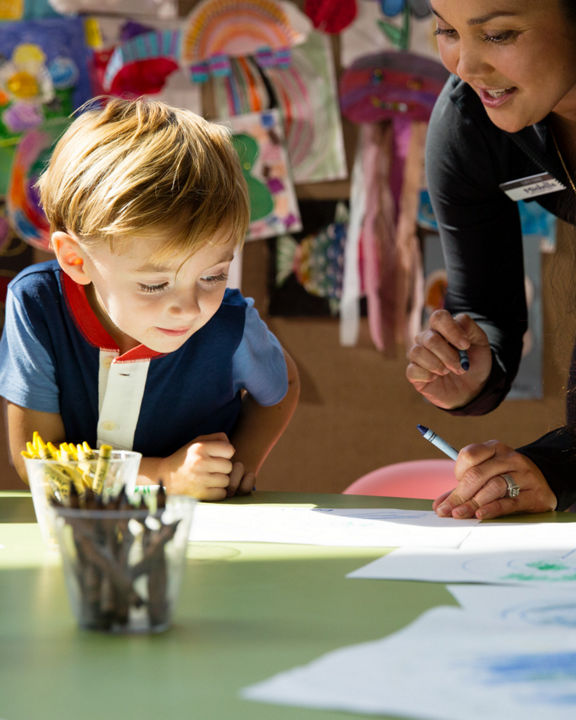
x: 512, y: 490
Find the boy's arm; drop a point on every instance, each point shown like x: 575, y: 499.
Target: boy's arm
x: 259, y: 429
x: 21, y: 424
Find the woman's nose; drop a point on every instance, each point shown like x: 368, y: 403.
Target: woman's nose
x: 470, y: 62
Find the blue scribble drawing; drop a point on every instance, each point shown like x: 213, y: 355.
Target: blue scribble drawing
x: 563, y: 615
x: 531, y: 667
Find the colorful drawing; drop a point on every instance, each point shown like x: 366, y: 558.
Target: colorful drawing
x: 24, y: 212
x: 317, y: 261
x: 331, y: 16
x: 260, y: 141
x: 45, y: 75
x: 217, y: 29
x: 373, y: 31
x: 307, y: 97
x: 142, y: 64
x: 386, y: 85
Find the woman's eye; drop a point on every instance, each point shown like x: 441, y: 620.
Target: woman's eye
x: 215, y: 278
x: 499, y: 37
x: 449, y: 32
x: 152, y: 288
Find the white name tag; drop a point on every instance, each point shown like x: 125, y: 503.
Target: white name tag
x: 532, y: 186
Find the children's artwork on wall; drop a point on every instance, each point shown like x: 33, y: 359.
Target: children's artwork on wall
x: 142, y: 63
x: 307, y: 267
x: 406, y: 29
x: 45, y: 75
x: 387, y: 85
x: 132, y: 59
x: 129, y: 8
x: 23, y: 209
x: 528, y: 382
x: 259, y: 140
x: 25, y: 9
x: 307, y: 97
x: 331, y: 16
x: 305, y: 92
x: 390, y: 95
x: 218, y: 29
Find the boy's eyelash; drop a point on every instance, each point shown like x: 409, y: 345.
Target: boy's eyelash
x: 152, y: 288
x: 215, y: 278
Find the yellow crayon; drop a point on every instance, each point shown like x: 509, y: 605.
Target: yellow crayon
x: 101, y: 468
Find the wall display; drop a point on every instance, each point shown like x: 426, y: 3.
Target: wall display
x: 45, y: 74
x: 308, y: 267
x: 259, y: 140
x: 218, y: 29
x: 306, y: 95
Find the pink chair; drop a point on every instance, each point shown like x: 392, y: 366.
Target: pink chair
x: 425, y: 479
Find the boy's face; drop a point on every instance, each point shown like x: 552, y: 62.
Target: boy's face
x: 156, y: 304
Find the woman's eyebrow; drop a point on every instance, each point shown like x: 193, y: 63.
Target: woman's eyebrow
x: 484, y: 18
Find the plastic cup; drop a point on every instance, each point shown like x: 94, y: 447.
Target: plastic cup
x: 47, y: 479
x: 123, y: 568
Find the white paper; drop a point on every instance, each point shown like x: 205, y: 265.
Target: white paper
x: 366, y: 527
x: 543, y: 568
x: 520, y: 536
x: 447, y: 665
x: 528, y: 607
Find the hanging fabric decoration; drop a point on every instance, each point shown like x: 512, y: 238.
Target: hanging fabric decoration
x: 391, y: 96
x: 331, y: 16
x: 391, y: 84
x: 217, y: 29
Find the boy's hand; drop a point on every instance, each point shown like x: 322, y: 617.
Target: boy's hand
x: 203, y: 468
x: 240, y: 483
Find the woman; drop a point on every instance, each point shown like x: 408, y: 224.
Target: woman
x: 503, y: 128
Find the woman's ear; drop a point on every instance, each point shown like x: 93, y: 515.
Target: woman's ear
x: 70, y: 256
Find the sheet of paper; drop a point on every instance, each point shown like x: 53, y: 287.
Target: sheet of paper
x: 447, y: 665
x: 543, y: 568
x: 520, y: 536
x: 366, y: 527
x: 529, y: 607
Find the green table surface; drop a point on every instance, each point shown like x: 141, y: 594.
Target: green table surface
x: 246, y: 611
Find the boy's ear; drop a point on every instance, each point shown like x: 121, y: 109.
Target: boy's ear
x: 70, y: 256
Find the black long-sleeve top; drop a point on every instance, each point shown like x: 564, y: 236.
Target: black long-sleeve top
x: 467, y: 159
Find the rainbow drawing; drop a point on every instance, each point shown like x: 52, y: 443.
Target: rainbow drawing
x: 238, y: 28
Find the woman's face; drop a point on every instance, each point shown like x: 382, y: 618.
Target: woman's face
x: 519, y: 56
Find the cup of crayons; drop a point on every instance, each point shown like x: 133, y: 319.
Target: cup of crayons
x: 122, y: 550
x: 52, y: 472
x: 123, y: 563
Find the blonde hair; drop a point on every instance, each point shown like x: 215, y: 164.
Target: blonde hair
x: 134, y: 166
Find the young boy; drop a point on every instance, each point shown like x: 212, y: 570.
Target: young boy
x: 130, y: 336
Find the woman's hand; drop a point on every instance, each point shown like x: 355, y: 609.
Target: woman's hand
x: 482, y: 491
x: 434, y: 364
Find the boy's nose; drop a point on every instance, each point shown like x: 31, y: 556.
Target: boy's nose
x: 185, y: 303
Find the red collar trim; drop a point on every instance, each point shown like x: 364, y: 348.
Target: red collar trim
x: 91, y: 327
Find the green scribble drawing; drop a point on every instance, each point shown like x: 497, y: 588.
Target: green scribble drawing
x: 527, y: 577
x: 546, y: 566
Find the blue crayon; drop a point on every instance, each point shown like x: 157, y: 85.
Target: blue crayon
x: 438, y: 442
x: 464, y: 360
